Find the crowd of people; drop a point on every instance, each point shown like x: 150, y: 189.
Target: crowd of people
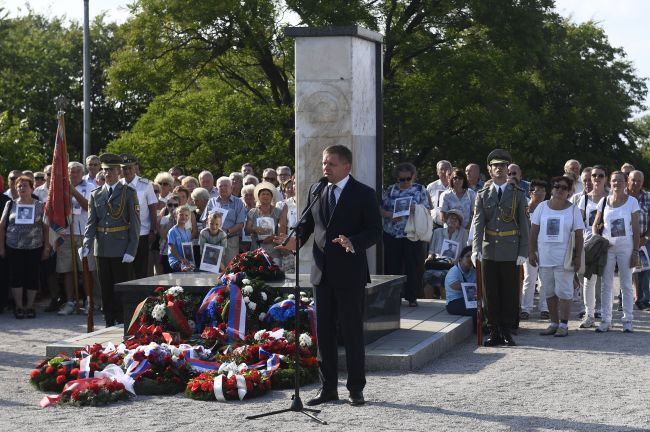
x: 128, y: 227
x: 529, y: 236
x: 498, y: 219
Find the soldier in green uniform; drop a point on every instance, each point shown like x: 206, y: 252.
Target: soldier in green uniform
x: 501, y: 245
x: 114, y: 224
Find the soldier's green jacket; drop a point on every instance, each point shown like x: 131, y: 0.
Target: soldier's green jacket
x: 494, y: 222
x: 114, y: 222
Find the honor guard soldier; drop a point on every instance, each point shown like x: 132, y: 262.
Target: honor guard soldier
x: 148, y: 220
x: 114, y: 224
x: 500, y: 244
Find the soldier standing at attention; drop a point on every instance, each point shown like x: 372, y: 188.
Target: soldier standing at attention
x: 114, y: 223
x: 500, y: 244
x: 148, y: 221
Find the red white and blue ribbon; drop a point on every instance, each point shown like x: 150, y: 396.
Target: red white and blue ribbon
x: 199, y: 365
x: 84, y: 367
x: 236, y: 314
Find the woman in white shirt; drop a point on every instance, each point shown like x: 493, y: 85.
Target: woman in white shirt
x: 552, y: 223
x: 621, y: 229
x: 588, y: 205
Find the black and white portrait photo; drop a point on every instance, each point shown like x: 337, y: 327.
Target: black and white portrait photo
x: 449, y: 249
x: 402, y: 207
x: 618, y: 228
x: 24, y: 214
x: 188, y: 252
x: 211, y: 258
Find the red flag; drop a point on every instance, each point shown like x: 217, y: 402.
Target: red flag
x: 57, y: 208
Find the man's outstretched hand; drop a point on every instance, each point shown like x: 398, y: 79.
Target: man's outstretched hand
x: 344, y: 242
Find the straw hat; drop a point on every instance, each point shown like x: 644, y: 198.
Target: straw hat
x: 265, y: 186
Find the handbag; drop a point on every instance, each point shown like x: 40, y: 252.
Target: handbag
x: 571, y: 250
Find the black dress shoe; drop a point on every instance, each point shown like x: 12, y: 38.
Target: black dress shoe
x: 507, y: 338
x: 324, y: 396
x: 494, y: 339
x: 356, y: 398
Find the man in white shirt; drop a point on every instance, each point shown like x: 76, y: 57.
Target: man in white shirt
x: 93, y: 166
x: 42, y: 191
x: 148, y: 220
x: 206, y: 180
x: 436, y: 188
x: 80, y: 194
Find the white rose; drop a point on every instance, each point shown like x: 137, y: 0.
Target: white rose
x: 262, y: 316
x: 304, y: 299
x: 303, y: 294
x: 246, y: 299
x: 158, y: 312
x: 291, y: 297
x: 258, y: 335
x: 246, y: 281
x: 252, y: 305
x: 305, y: 340
x: 264, y: 297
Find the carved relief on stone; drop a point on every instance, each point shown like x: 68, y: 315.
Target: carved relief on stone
x: 324, y: 109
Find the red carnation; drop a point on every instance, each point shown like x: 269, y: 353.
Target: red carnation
x: 49, y: 370
x: 159, y: 289
x: 60, y: 379
x: 74, y: 372
x: 75, y: 395
x: 35, y: 373
x: 195, y: 386
x: 94, y: 387
x: 61, y: 371
x: 206, y: 386
x: 103, y: 358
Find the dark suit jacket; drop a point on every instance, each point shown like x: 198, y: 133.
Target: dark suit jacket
x: 357, y: 217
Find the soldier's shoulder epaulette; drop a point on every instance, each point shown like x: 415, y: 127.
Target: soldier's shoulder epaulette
x: 131, y: 188
x: 144, y: 180
x: 485, y: 187
x: 96, y: 189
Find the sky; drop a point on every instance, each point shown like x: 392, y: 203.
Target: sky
x: 623, y: 20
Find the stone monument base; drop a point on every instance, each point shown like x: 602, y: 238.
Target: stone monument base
x: 382, y: 305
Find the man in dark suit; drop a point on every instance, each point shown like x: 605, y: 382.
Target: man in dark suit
x: 345, y: 222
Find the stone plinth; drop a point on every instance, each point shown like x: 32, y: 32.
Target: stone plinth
x: 382, y: 303
x: 338, y: 101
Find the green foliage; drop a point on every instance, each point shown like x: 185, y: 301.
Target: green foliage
x: 18, y: 145
x: 221, y: 131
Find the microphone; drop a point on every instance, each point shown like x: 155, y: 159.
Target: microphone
x: 322, y: 183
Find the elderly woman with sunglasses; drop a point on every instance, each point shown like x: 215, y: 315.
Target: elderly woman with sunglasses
x: 620, y: 216
x: 588, y: 206
x: 459, y: 196
x: 166, y: 223
x: 551, y: 225
x: 401, y: 255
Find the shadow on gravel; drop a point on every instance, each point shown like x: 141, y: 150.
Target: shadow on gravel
x: 18, y: 360
x: 518, y: 423
x: 8, y: 404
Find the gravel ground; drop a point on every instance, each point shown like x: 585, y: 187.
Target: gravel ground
x: 585, y: 382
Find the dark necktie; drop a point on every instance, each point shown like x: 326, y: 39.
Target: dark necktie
x: 110, y: 192
x: 332, y: 201
x: 499, y: 193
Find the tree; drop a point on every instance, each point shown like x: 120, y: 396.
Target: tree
x: 42, y: 58
x: 18, y: 145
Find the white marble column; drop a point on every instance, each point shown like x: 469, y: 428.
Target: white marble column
x: 338, y: 101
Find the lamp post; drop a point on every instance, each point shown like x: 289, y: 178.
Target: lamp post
x: 86, y: 83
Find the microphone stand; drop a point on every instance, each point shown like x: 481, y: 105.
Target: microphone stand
x: 296, y: 404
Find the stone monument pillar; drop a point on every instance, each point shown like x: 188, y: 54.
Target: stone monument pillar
x: 338, y: 72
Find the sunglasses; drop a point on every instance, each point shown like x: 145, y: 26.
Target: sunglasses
x: 165, y: 184
x: 512, y: 174
x: 172, y: 205
x: 601, y: 175
x: 269, y: 179
x: 405, y: 179
x: 38, y: 178
x: 561, y: 187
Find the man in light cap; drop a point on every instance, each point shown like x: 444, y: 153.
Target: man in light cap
x: 501, y: 245
x: 148, y: 221
x: 114, y: 224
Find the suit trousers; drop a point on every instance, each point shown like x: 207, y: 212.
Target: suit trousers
x: 113, y: 271
x: 338, y: 302
x: 500, y: 287
x: 141, y: 261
